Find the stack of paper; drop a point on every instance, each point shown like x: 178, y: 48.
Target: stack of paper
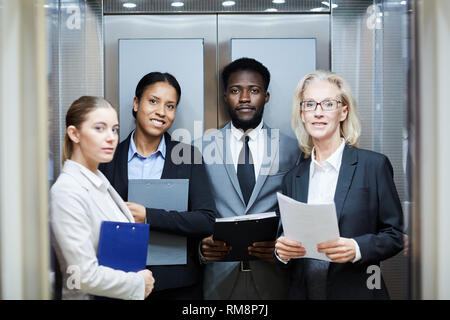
x: 310, y: 224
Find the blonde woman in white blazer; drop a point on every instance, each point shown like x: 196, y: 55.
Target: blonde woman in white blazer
x: 82, y: 198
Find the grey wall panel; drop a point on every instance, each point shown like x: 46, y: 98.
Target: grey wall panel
x: 183, y: 58
x: 287, y: 26
x: 288, y: 60
x: 165, y: 27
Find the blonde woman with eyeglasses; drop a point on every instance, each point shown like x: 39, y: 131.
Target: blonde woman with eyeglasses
x: 359, y: 182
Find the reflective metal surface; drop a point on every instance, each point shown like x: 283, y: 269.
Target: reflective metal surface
x: 272, y: 27
x: 74, y: 68
x: 163, y: 27
x: 213, y: 6
x: 367, y: 41
x: 370, y: 49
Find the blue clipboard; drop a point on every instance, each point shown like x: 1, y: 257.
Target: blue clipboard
x: 123, y: 245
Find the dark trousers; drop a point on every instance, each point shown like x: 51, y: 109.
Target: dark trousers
x: 194, y: 292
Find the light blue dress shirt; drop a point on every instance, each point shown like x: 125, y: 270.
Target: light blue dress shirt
x: 151, y: 167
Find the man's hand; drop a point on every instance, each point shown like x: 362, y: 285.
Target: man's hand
x: 137, y: 210
x: 214, y: 250
x: 262, y: 250
x: 341, y: 251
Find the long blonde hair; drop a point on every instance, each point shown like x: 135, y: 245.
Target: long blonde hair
x: 76, y: 115
x: 350, y: 128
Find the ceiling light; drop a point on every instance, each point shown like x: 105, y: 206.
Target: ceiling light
x: 327, y: 3
x: 129, y: 5
x: 278, y: 1
x: 317, y: 9
x: 228, y: 3
x: 271, y: 10
x: 177, y: 4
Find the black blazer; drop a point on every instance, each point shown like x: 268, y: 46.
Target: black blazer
x: 195, y: 224
x: 368, y: 210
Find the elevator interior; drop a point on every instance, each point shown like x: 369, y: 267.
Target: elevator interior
x: 102, y: 48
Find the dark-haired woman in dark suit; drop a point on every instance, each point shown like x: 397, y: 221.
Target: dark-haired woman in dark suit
x: 359, y: 182
x: 147, y: 154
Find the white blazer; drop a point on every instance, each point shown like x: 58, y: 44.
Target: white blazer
x: 76, y: 213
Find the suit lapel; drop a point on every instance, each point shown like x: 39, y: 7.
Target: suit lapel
x: 301, y: 182
x: 121, y: 169
x: 122, y: 206
x: 346, y: 173
x: 271, y: 140
x: 223, y: 144
x: 169, y: 169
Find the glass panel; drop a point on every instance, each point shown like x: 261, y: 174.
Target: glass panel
x: 373, y: 36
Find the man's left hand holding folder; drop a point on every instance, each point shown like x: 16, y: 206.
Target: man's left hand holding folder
x: 215, y: 250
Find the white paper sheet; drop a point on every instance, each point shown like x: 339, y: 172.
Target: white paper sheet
x: 250, y: 216
x: 310, y: 224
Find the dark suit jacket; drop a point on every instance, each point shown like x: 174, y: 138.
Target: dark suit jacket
x: 196, y: 223
x: 368, y: 210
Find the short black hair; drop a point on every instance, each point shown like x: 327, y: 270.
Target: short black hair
x: 246, y: 64
x: 153, y: 77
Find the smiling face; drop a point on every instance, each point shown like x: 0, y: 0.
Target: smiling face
x: 323, y: 126
x: 245, y: 97
x: 96, y: 139
x: 155, y: 110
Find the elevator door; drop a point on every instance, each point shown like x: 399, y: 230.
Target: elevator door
x: 195, y: 48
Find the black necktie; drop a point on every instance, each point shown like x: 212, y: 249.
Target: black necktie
x: 246, y: 171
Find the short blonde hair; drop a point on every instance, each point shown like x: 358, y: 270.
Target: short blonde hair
x: 350, y: 128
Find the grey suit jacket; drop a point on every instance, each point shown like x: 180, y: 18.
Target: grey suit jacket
x: 281, y: 155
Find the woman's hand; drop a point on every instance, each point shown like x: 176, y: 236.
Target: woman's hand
x: 149, y: 281
x: 341, y: 250
x: 289, y: 249
x: 137, y: 210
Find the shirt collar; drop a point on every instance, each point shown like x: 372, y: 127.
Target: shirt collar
x: 132, y: 150
x: 96, y: 180
x: 333, y: 161
x: 252, y: 133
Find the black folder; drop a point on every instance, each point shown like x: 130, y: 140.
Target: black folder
x: 240, y: 232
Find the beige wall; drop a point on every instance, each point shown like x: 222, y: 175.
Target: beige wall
x: 434, y: 142
x: 24, y: 244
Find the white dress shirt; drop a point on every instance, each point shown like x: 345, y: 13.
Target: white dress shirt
x: 255, y: 144
x: 323, y: 180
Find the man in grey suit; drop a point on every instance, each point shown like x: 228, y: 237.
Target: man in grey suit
x: 245, y: 162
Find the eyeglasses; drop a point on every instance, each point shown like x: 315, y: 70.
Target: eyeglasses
x: 327, y: 105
